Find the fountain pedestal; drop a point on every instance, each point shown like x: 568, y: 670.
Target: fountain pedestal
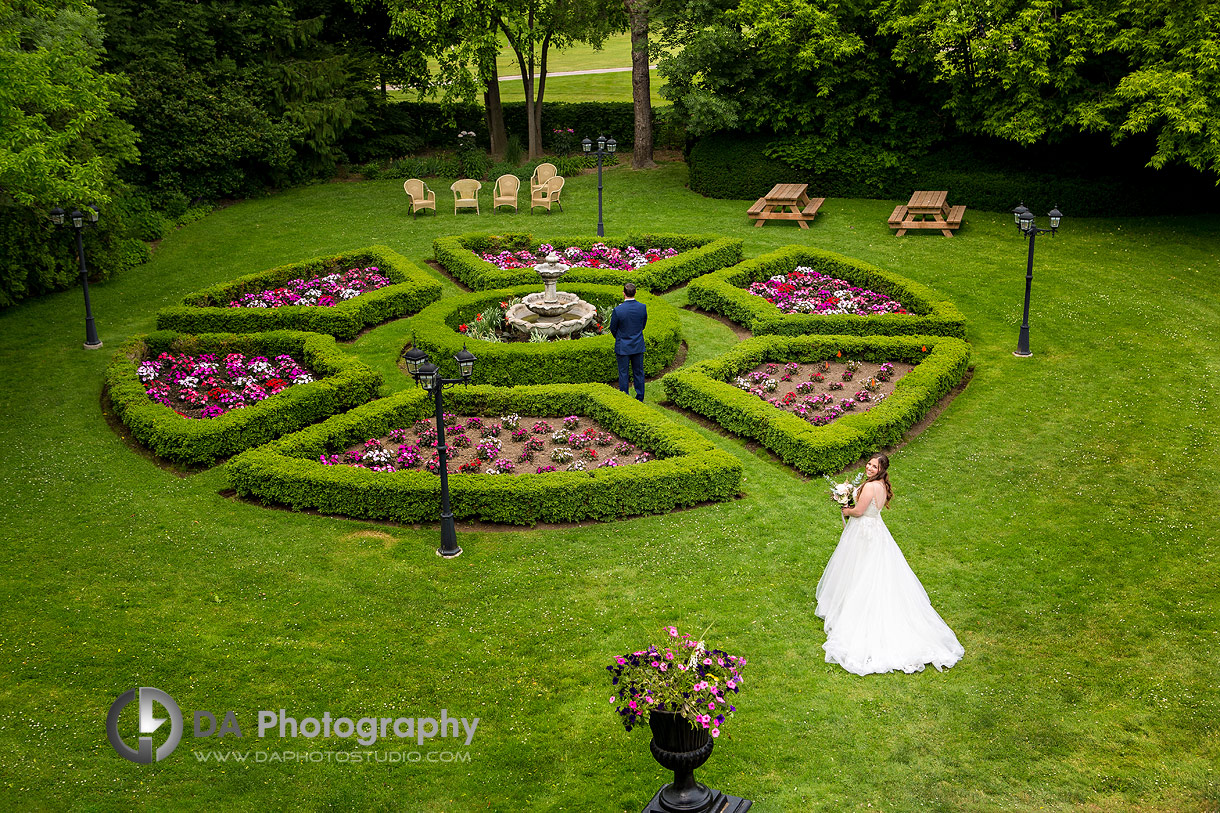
x: 551, y: 312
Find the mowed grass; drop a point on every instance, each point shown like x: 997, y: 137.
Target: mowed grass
x: 1060, y: 512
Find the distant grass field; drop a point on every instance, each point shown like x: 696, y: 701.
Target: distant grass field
x: 1060, y: 513
x: 612, y: 87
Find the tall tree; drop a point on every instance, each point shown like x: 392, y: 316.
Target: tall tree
x: 641, y: 83
x: 61, y: 139
x: 1045, y: 69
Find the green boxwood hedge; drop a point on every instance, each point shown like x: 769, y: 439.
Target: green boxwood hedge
x: 699, y: 254
x: 205, y: 311
x: 688, y: 469
x: 814, y: 450
x: 342, y: 383
x: 570, y: 361
x: 725, y: 292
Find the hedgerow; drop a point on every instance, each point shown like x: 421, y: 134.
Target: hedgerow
x: 206, y: 311
x: 688, y: 469
x: 698, y: 254
x: 342, y: 383
x: 570, y: 361
x: 941, y: 363
x: 725, y: 292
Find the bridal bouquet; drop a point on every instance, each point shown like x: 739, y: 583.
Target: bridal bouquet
x: 681, y: 675
x: 845, y: 493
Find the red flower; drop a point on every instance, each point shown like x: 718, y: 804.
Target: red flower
x: 839, y: 354
x: 479, y: 318
x: 461, y: 328
x: 503, y: 304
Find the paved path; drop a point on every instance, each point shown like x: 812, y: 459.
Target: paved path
x: 549, y: 74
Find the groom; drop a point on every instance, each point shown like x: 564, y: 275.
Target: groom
x: 627, y: 324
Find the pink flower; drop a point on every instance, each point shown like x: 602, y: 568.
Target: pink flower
x: 715, y: 732
x: 673, y: 632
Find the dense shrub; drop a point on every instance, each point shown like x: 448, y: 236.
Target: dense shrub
x: 941, y: 363
x: 569, y: 361
x: 1084, y: 177
x: 698, y: 254
x: 688, y: 469
x: 342, y: 383
x: 206, y: 311
x: 725, y: 292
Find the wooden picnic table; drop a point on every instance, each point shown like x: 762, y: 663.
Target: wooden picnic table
x: 927, y: 210
x: 786, y: 201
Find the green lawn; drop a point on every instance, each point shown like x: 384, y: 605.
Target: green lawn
x: 1061, y: 513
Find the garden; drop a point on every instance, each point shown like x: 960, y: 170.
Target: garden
x: 245, y: 547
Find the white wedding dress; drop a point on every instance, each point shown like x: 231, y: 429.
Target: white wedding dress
x: 877, y: 615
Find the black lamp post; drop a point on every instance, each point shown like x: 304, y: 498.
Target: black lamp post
x: 604, y: 147
x: 77, y: 221
x: 427, y: 375
x: 1024, y: 219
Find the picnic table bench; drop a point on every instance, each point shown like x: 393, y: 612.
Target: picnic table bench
x: 927, y: 210
x: 785, y: 201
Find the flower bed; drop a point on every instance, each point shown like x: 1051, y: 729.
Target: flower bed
x: 599, y: 255
x: 211, y: 310
x: 938, y: 365
x: 688, y: 470
x: 804, y: 290
x: 821, y: 393
x: 340, y: 383
x: 508, y: 444
x: 207, y: 386
x: 325, y: 292
x: 727, y: 292
x: 696, y: 254
x: 437, y: 333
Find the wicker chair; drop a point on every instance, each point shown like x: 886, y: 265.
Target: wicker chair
x: 541, y: 175
x: 505, y: 193
x: 466, y: 194
x: 548, y: 194
x: 421, y: 196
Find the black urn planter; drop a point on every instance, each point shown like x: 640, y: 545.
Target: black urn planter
x: 681, y: 747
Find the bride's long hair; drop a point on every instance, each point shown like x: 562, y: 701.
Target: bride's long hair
x: 882, y: 476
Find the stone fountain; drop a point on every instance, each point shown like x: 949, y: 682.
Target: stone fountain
x: 551, y: 312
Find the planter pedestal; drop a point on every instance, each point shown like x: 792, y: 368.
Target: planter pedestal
x: 681, y: 748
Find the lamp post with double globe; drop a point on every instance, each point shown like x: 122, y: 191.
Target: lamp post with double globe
x: 78, y: 221
x: 1024, y: 219
x: 427, y: 375
x: 604, y: 147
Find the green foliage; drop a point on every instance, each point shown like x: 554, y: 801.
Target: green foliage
x: 688, y: 470
x: 386, y: 132
x: 207, y: 311
x: 816, y: 450
x: 61, y: 141
x: 342, y: 383
x: 698, y: 254
x: 1085, y: 176
x: 1028, y: 73
x: 725, y: 292
x: 232, y: 99
x: 565, y: 361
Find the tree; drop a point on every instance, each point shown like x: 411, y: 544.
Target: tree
x: 1047, y: 69
x: 61, y: 140
x: 641, y: 83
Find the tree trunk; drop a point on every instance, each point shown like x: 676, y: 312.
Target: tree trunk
x: 641, y: 90
x: 494, y: 113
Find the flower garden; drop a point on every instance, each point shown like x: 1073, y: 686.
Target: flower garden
x: 207, y: 386
x: 599, y: 255
x: 804, y: 290
x: 325, y: 292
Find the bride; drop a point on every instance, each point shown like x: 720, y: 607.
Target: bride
x: 877, y: 615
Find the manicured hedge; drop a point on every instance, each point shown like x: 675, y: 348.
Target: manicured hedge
x: 570, y: 361
x: 206, y: 311
x: 342, y: 383
x: 814, y: 450
x: 688, y: 469
x: 725, y: 292
x: 699, y: 254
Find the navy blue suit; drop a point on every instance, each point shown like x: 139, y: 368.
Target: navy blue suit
x: 627, y: 324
